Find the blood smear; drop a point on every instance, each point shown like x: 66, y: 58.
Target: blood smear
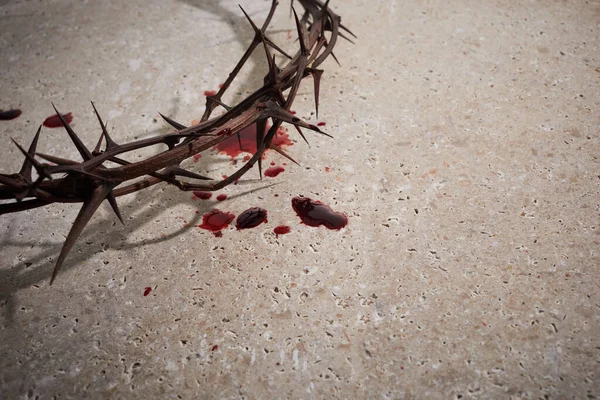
x: 314, y: 213
x: 202, y: 195
x: 321, y: 123
x: 274, y: 171
x: 215, y: 220
x: 9, y: 114
x: 231, y: 145
x: 147, y: 290
x: 54, y: 121
x: 281, y: 230
x: 251, y: 218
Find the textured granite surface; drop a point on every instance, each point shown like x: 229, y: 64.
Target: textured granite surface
x: 465, y: 155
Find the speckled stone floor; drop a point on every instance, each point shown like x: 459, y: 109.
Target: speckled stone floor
x: 465, y: 156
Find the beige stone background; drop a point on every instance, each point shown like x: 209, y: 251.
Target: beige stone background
x: 465, y: 155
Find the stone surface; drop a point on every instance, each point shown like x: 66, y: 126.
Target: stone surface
x: 465, y: 156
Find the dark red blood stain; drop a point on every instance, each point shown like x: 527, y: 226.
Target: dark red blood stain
x: 274, y: 171
x: 272, y: 162
x: 147, y: 290
x: 210, y: 92
x: 222, y: 197
x: 293, y: 112
x: 281, y: 230
x: 315, y: 213
x: 54, y: 121
x: 251, y: 218
x: 202, y: 195
x: 196, y: 157
x: 321, y: 123
x: 215, y: 220
x: 327, y: 169
x: 9, y: 114
x: 215, y: 347
x: 231, y: 145
x: 225, y: 131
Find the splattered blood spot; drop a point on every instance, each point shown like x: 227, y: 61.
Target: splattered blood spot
x: 327, y: 169
x: 220, y: 85
x: 231, y: 145
x: 54, y: 121
x: 202, y: 195
x: 210, y: 92
x: 321, y: 123
x: 251, y: 218
x: 147, y: 290
x: 281, y: 230
x: 272, y: 162
x: 215, y: 220
x: 9, y: 114
x: 215, y: 347
x: 222, y: 197
x: 274, y: 171
x: 196, y: 157
x: 315, y: 213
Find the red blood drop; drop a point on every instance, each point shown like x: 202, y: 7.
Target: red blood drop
x: 274, y: 171
x: 210, y: 92
x: 196, y: 157
x: 321, y: 124
x: 281, y: 230
x: 54, y: 121
x: 327, y: 169
x: 215, y: 348
x: 231, y: 145
x: 222, y: 197
x: 272, y: 162
x: 9, y: 114
x: 147, y: 290
x: 215, y: 220
x: 202, y: 195
x: 315, y: 213
x: 251, y: 218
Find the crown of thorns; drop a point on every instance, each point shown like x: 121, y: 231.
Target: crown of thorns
x: 91, y: 182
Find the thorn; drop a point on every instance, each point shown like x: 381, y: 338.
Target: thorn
x: 26, y: 168
x: 86, y: 212
x: 219, y: 102
x: 178, y: 171
x: 336, y: 60
x: 113, y: 204
x: 316, y: 74
x: 345, y: 37
x: 301, y: 134
x: 348, y: 30
x: 110, y: 144
x: 56, y: 160
x: 283, y: 153
x: 83, y: 151
x: 275, y: 111
x: 261, y: 126
x: 301, y: 38
x: 38, y: 167
x: 174, y: 124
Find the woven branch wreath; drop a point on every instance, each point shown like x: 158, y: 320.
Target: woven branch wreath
x: 91, y: 182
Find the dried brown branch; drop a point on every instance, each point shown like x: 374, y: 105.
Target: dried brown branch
x: 91, y: 182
